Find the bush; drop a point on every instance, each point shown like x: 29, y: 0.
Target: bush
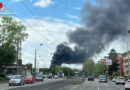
x: 2, y: 77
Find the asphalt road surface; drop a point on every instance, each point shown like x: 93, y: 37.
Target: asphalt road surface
x: 65, y: 84
x: 95, y: 85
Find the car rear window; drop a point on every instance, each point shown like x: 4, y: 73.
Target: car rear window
x: 121, y: 78
x: 29, y: 76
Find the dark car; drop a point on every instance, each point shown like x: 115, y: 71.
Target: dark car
x: 90, y: 78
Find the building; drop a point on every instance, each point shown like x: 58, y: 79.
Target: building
x: 12, y: 69
x: 126, y: 63
x: 120, y: 64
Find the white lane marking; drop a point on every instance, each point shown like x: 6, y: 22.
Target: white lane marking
x: 74, y: 87
x: 97, y: 85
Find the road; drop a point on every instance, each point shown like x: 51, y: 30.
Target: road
x: 5, y: 86
x: 95, y: 85
x: 64, y: 84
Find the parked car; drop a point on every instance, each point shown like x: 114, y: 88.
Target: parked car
x: 39, y: 77
x: 29, y: 79
x: 9, y: 76
x: 55, y: 77
x: 127, y: 85
x: 102, y: 78
x: 16, y: 80
x: 120, y: 80
x: 114, y: 79
x: 90, y: 78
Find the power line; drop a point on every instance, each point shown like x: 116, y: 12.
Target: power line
x: 29, y: 10
x: 32, y: 28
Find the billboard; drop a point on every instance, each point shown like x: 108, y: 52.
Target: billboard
x: 108, y: 62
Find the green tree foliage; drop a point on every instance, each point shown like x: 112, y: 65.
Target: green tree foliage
x: 67, y: 71
x: 100, y: 68
x: 114, y: 67
x: 89, y: 66
x: 10, y: 32
x: 29, y: 66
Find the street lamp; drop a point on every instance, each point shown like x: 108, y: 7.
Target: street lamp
x: 36, y: 59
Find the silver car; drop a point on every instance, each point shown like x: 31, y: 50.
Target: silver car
x: 114, y: 79
x: 127, y: 85
x: 16, y: 80
x: 39, y: 77
x: 120, y: 80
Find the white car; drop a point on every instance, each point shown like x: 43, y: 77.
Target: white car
x: 120, y: 80
x: 55, y: 77
x: 16, y: 80
x: 114, y: 79
x: 127, y: 85
x: 39, y: 77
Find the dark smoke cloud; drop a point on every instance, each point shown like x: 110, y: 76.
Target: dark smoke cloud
x: 103, y: 22
x: 64, y: 54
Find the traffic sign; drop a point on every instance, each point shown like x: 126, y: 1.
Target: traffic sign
x: 108, y: 62
x: 1, y: 5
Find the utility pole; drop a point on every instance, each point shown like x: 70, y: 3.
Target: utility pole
x: 35, y: 61
x: 17, y: 56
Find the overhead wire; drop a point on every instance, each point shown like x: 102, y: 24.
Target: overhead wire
x: 32, y: 28
x: 40, y: 23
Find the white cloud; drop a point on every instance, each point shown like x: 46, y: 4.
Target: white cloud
x: 72, y: 16
x: 77, y: 8
x: 16, y: 0
x: 43, y: 3
x: 120, y: 45
x: 50, y: 38
x: 19, y: 0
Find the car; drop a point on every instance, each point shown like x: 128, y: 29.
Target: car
x: 29, y: 79
x: 44, y: 76
x: 16, y: 80
x: 114, y: 79
x: 127, y: 85
x: 90, y: 78
x: 49, y: 76
x: 39, y: 77
x: 120, y: 80
x: 102, y: 78
x: 55, y: 77
x: 9, y: 76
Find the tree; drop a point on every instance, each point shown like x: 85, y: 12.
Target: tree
x: 100, y: 68
x: 11, y: 31
x: 29, y: 66
x: 89, y: 66
x: 113, y: 56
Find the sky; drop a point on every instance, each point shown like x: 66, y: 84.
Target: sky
x: 47, y: 22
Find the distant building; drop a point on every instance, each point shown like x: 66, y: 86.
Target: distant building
x: 126, y: 62
x: 12, y: 69
x: 120, y: 63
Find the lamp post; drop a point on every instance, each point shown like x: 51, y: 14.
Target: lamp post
x: 35, y: 61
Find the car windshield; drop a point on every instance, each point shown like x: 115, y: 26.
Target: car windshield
x: 102, y: 77
x: 16, y: 77
x: 39, y: 75
x: 121, y: 78
x: 29, y: 76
